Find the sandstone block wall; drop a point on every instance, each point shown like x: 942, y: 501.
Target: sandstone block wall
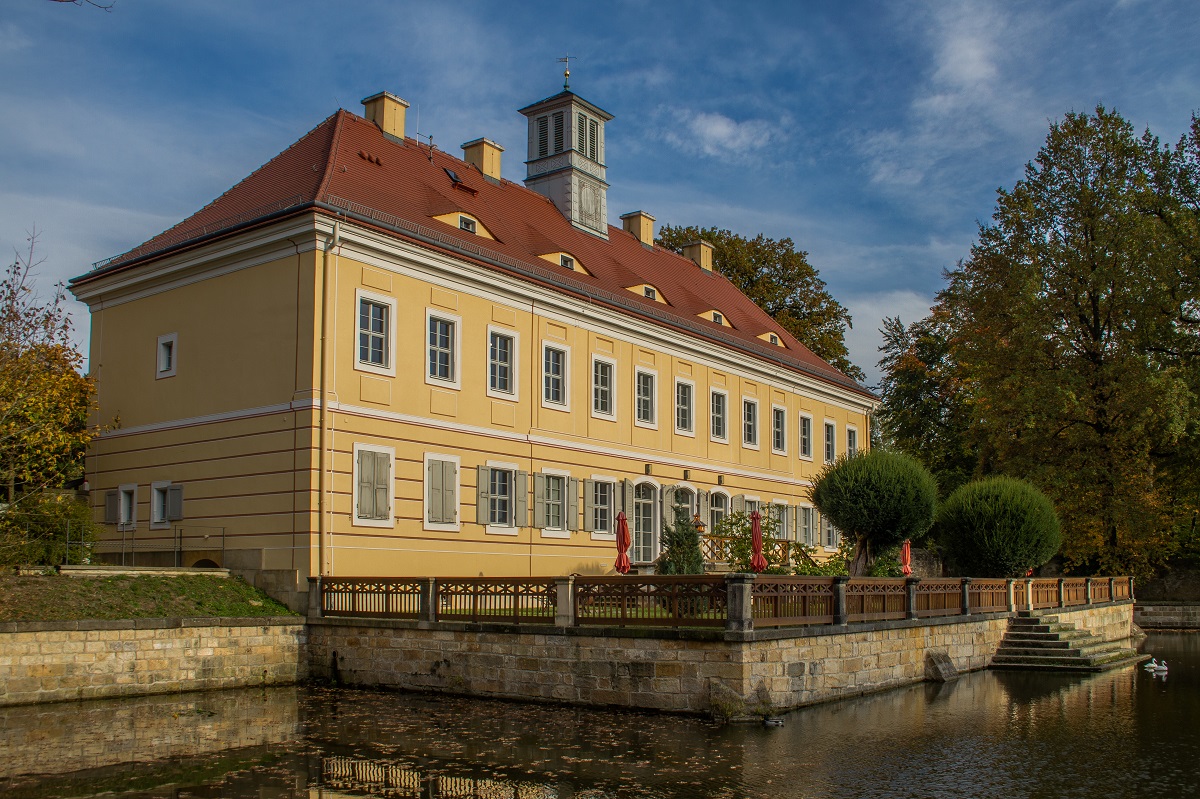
x: 53, y: 661
x: 1167, y: 615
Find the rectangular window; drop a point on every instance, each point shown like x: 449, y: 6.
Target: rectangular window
x: 750, y: 423
x: 602, y: 388
x: 806, y: 526
x: 779, y: 429
x: 558, y: 131
x: 124, y: 507
x: 441, y: 490
x: 718, y: 509
x: 500, y: 363
x: 373, y: 329
x: 567, y: 261
x: 466, y: 223
x: 645, y: 397
x: 554, y: 501
x: 166, y: 504
x: 805, y: 436
x: 441, y: 349
x: 649, y: 292
x: 751, y: 505
x: 554, y: 370
x: 720, y: 320
x: 165, y: 366
x: 851, y: 441
x: 830, y: 442
x: 500, y: 497
x: 373, y: 496
x: 779, y: 513
x: 720, y: 419
x: 683, y: 407
x: 830, y: 533
x: 543, y: 136
x: 601, y: 511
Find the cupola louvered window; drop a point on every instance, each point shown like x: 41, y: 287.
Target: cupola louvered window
x: 543, y: 135
x: 558, y: 131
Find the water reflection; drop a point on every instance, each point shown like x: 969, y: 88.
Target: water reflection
x: 1119, y: 734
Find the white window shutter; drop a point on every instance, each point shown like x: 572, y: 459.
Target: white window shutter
x: 703, y: 504
x: 539, y: 501
x: 366, y: 485
x: 383, y: 488
x: 668, y: 505
x: 112, y: 507
x: 589, y: 505
x: 627, y: 498
x: 482, y: 475
x: 572, y: 504
x: 433, y: 489
x: 449, y: 492
x: 739, y: 503
x: 521, y: 499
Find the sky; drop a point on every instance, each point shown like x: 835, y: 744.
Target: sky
x: 874, y: 135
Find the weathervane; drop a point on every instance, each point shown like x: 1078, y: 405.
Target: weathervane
x: 567, y: 71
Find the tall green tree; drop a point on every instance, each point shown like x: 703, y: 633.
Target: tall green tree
x: 782, y: 282
x: 1075, y: 339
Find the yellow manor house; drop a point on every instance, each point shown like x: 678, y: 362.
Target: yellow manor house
x: 372, y: 358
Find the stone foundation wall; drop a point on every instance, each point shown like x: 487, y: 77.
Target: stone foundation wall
x: 685, y: 671
x: 53, y: 661
x: 1167, y: 615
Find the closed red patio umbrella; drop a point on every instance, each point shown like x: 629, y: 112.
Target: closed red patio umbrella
x: 623, y: 542
x: 906, y: 558
x: 757, y: 562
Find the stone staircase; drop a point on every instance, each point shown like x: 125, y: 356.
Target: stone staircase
x: 1042, y: 643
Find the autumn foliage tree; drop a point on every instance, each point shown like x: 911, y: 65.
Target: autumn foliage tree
x: 780, y: 280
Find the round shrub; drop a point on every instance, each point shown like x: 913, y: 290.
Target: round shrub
x: 998, y: 527
x: 877, y: 499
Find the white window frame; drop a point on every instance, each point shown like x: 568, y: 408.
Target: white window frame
x: 752, y: 499
x: 787, y: 534
x: 166, y: 343
x: 127, y: 521
x: 711, y: 526
x: 757, y: 423
x: 721, y: 439
x: 650, y: 293
x: 442, y: 527
x: 612, y: 388
x: 614, y: 486
x: 565, y: 530
x: 468, y: 224
x: 653, y: 423
x: 826, y: 526
x: 389, y: 368
x: 829, y: 440
x: 390, y: 521
x: 565, y: 349
x: 500, y: 529
x: 158, y: 489
x: 779, y: 412
x: 515, y: 367
x: 805, y: 456
x: 814, y: 532
x: 455, y: 347
x: 655, y: 522
x: 851, y: 430
x: 690, y: 430
x: 566, y: 261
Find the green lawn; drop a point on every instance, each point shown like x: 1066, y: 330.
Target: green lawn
x: 58, y: 598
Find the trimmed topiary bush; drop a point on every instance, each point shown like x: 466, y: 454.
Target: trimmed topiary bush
x: 997, y: 527
x: 681, y: 547
x: 877, y: 499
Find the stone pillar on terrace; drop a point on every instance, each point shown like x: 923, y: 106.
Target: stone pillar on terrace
x: 840, y: 615
x: 1062, y: 592
x: 564, y: 606
x: 1012, y: 595
x: 428, y: 603
x: 739, y: 603
x: 1088, y: 591
x: 910, y: 597
x: 966, y: 596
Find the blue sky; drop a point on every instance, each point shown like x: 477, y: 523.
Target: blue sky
x: 873, y: 134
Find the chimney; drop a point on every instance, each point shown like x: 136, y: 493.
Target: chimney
x: 700, y: 253
x: 641, y: 225
x: 485, y: 155
x: 387, y: 112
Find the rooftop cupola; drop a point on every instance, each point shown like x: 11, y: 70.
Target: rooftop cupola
x: 566, y: 158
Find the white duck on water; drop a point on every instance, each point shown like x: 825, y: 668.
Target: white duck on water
x: 1152, y: 665
x: 1161, y: 668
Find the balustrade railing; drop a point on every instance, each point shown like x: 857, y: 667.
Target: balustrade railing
x: 735, y: 602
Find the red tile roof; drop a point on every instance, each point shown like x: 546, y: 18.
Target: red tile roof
x: 347, y: 165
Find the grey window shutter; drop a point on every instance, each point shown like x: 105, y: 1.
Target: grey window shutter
x: 366, y: 485
x: 174, y: 503
x: 383, y: 488
x: 739, y: 503
x: 482, y: 474
x: 521, y: 502
x: 704, y: 506
x: 449, y: 492
x: 668, y: 505
x: 433, y: 489
x: 572, y: 503
x: 539, y: 501
x: 627, y: 498
x: 112, y: 507
x: 589, y: 505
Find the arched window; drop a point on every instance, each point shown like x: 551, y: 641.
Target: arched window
x: 644, y: 500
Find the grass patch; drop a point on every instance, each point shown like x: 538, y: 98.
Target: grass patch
x: 58, y: 598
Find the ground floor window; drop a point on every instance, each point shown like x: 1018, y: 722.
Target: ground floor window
x: 643, y: 523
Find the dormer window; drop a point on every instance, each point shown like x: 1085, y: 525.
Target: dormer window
x: 720, y: 320
x: 649, y: 292
x: 567, y: 262
x: 466, y: 223
x: 774, y: 339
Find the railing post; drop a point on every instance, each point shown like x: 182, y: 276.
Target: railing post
x: 739, y: 603
x: 910, y: 597
x: 840, y: 616
x: 1132, y: 598
x: 966, y: 596
x: 428, y: 607
x: 1112, y: 589
x: 1087, y: 599
x: 1029, y: 594
x: 1012, y: 595
x: 564, y: 606
x: 1062, y: 592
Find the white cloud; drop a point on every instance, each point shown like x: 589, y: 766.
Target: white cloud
x: 716, y: 135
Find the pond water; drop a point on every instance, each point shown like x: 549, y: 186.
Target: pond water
x: 1121, y: 734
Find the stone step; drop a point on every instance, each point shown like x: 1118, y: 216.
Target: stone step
x: 1047, y: 635
x: 1042, y: 627
x: 1092, y: 649
x: 1126, y: 657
